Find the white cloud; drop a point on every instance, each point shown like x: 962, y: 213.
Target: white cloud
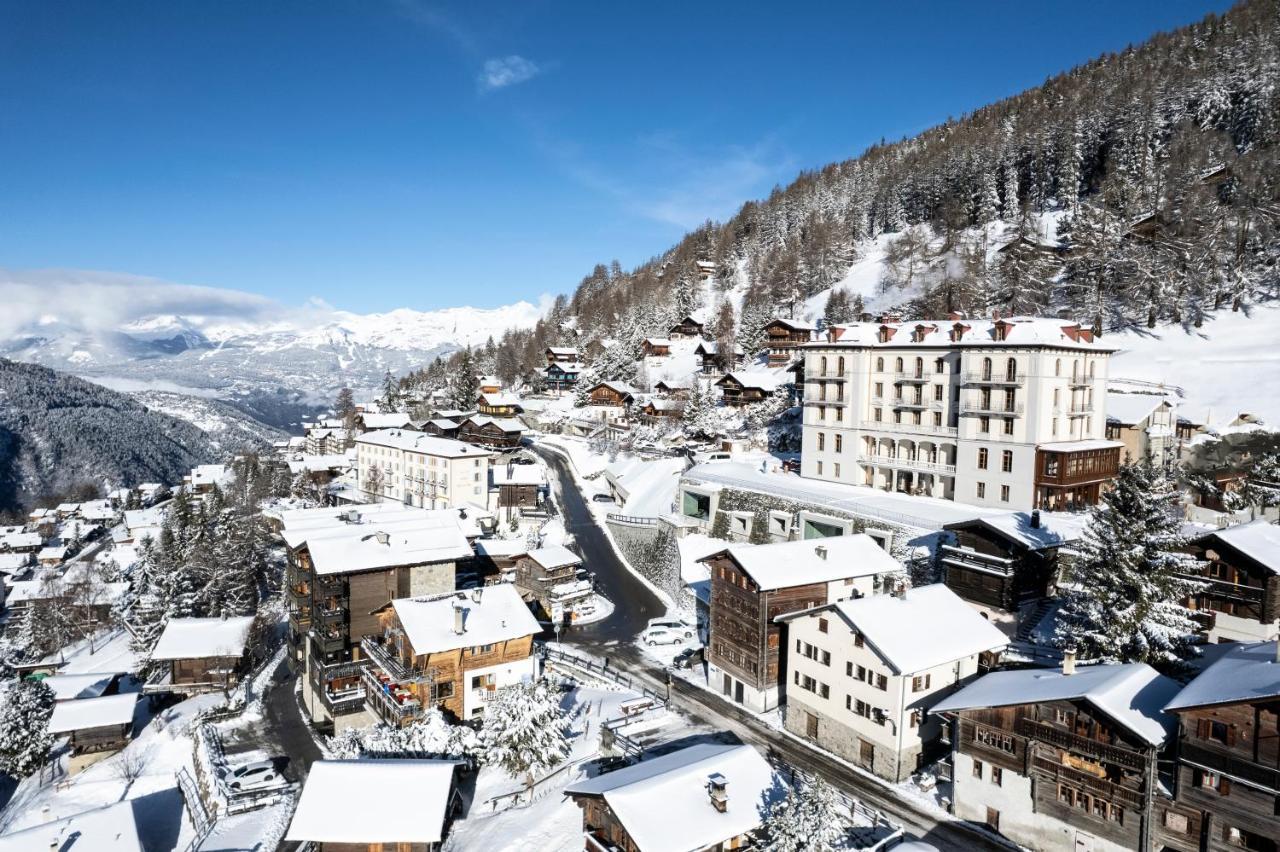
x: 507, y: 71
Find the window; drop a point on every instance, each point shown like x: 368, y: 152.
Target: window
x: 1178, y: 823
x: 984, y: 424
x: 840, y: 443
x: 1057, y: 367
x: 937, y: 418
x: 897, y: 365
x: 986, y: 369
x: 882, y: 682
x: 939, y: 366
x: 937, y: 393
x: 1011, y: 369
x: 837, y: 470
x: 824, y: 691
x: 840, y: 365
x: 1008, y: 425
x: 857, y: 640
x: 819, y: 468
x: 919, y: 683
x: 982, y: 458
x: 822, y: 441
x: 997, y: 776
x: 1010, y: 396
x: 823, y: 368
x: 977, y: 769
x: 1062, y: 717
x: 1006, y: 461
x: 981, y: 487
x: 994, y: 739
x: 878, y: 415
x: 822, y: 625
x: 919, y: 368
x: 993, y: 819
x: 879, y: 365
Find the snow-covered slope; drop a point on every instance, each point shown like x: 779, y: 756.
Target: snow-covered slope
x: 228, y: 428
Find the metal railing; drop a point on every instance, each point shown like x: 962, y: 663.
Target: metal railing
x: 889, y: 426
x: 923, y: 404
x: 603, y: 671
x: 995, y: 379
x: 994, y: 408
x: 911, y: 376
x: 906, y: 461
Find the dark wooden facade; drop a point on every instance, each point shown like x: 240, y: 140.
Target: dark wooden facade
x: 104, y: 738
x: 745, y: 641
x: 687, y: 327
x: 441, y: 428
x: 559, y: 376
x: 655, y: 348
x: 989, y: 569
x: 671, y: 391
x: 488, y: 434
x: 782, y: 337
x: 1073, y: 480
x: 1236, y: 584
x: 605, y: 394
x: 206, y: 673
x: 1086, y: 770
x: 518, y: 495
x: 501, y: 407
x: 735, y: 393
x: 1228, y: 778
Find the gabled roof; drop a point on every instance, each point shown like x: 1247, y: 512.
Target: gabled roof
x: 106, y: 829
x: 388, y: 420
x: 571, y: 351
x: 1018, y: 331
x: 1247, y: 672
x: 1130, y: 409
x: 373, y: 801
x: 78, y: 686
x: 497, y: 616
x: 927, y: 626
x: 806, y: 561
x: 712, y: 347
x: 1133, y: 695
x: 554, y: 556
x: 618, y: 387
x: 85, y: 713
x: 499, y: 400
x: 795, y: 324
x: 1259, y: 540
x: 762, y: 379
x: 1056, y: 528
x: 196, y: 638
x: 517, y: 474
x: 506, y: 424
x: 664, y: 805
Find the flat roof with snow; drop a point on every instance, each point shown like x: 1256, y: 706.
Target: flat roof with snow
x: 373, y: 801
x: 1133, y: 694
x: 375, y: 547
x: 813, y: 560
x: 85, y: 713
x: 421, y: 442
x: 905, y: 631
x: 1130, y: 409
x: 664, y: 805
x: 201, y: 638
x: 554, y: 556
x: 1079, y: 446
x: 498, y: 615
x: 518, y: 474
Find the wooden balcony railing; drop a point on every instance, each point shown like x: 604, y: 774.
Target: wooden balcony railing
x: 1206, y: 757
x: 1082, y: 745
x: 1095, y: 786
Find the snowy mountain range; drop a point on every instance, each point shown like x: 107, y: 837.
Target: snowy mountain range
x: 137, y: 334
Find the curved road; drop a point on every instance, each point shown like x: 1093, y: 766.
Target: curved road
x: 634, y: 602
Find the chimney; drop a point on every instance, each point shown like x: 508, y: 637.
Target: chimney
x: 821, y: 552
x: 459, y: 620
x: 1035, y: 519
x: 718, y: 790
x: 383, y: 536
x: 1068, y: 662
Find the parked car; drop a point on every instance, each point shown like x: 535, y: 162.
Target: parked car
x: 661, y: 636
x: 602, y: 498
x: 685, y: 629
x: 250, y: 776
x: 791, y: 465
x: 688, y: 658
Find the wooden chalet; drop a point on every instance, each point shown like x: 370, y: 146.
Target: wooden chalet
x: 711, y: 361
x: 548, y: 577
x: 1062, y: 759
x: 95, y: 724
x: 201, y: 655
x: 614, y: 394
x: 441, y: 427
x: 1071, y: 475
x: 490, y: 384
x: 1227, y: 787
x: 562, y: 375
x: 561, y: 355
x: 1002, y: 563
x: 781, y: 337
x: 498, y: 405
x: 738, y: 389
x: 449, y: 651
x: 518, y: 485
x: 671, y: 389
x: 498, y: 433
x: 689, y: 327
x: 661, y: 409
x: 655, y: 347
x: 1240, y: 567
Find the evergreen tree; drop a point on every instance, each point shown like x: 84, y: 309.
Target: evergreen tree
x: 524, y: 730
x: 391, y: 392
x: 25, y: 710
x: 463, y: 383
x: 810, y: 819
x: 1126, y: 600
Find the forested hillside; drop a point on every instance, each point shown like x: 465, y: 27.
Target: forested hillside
x: 58, y: 432
x: 1137, y: 190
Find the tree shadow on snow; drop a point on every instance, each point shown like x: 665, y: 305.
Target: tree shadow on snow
x: 159, y: 819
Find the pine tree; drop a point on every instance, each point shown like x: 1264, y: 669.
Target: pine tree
x: 1126, y: 600
x: 463, y: 384
x: 391, y: 392
x: 810, y: 819
x: 25, y: 710
x: 524, y: 730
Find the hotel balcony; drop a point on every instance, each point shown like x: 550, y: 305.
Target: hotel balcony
x: 1003, y: 380
x: 914, y: 428
x: 921, y: 404
x: 993, y: 408
x: 909, y: 463
x: 911, y: 378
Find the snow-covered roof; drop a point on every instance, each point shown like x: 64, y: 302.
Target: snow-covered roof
x: 106, y: 829
x: 568, y: 351
x: 85, y: 713
x: 1259, y: 540
x: 1055, y: 530
x: 647, y: 486
x: 375, y: 546
x: 420, y: 442
x: 50, y: 554
x: 153, y: 517
x: 506, y: 424
x: 814, y: 560
x: 518, y: 474
x: 388, y: 420
x: 300, y: 526
x: 500, y: 399
x: 373, y: 801
x: 798, y: 325
x: 554, y: 556
x: 208, y: 474
x: 1019, y: 331
x: 905, y: 630
x: 13, y: 563
x: 14, y: 541
x: 444, y: 424
x: 712, y: 347
x: 497, y: 616
x: 657, y: 341
x: 663, y: 404
x: 1132, y: 694
x: 67, y: 687
x: 505, y: 547
x: 1130, y: 409
x: 618, y: 387
x: 922, y: 512
x: 693, y: 571
x: 196, y: 638
x: 1246, y: 672
x: 664, y: 805
x: 763, y: 379
x: 316, y: 463
x: 1079, y: 446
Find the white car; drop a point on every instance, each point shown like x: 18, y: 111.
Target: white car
x: 675, y: 625
x: 250, y: 776
x: 662, y: 636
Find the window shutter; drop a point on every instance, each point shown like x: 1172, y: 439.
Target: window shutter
x: 1202, y: 729
x: 1224, y: 785
x: 1231, y: 735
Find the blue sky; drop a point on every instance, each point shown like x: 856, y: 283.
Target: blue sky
x: 406, y: 154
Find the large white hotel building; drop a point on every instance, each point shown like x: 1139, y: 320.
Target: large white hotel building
x: 1006, y: 413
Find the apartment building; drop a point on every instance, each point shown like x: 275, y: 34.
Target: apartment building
x: 864, y: 673
x: 421, y: 470
x: 1004, y: 412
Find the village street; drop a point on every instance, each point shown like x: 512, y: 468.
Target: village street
x: 636, y: 604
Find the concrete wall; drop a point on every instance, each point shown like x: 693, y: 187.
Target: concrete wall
x: 432, y: 579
